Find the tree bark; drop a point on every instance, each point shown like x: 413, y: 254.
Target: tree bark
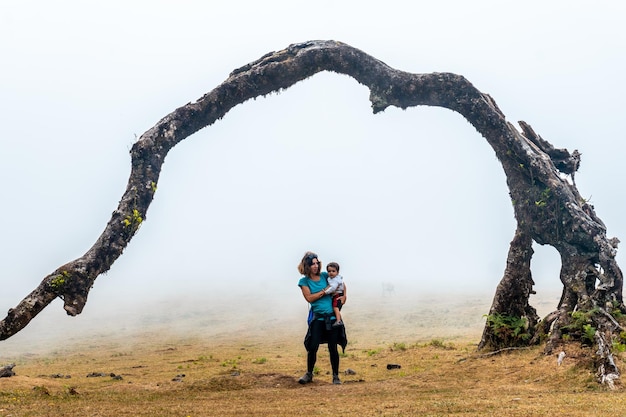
x: 547, y: 206
x: 512, y: 299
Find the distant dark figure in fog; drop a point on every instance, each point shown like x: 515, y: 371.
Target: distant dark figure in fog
x: 316, y: 291
x: 388, y: 289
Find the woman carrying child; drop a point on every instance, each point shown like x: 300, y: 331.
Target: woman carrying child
x: 316, y: 291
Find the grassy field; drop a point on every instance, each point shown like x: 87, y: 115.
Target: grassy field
x: 247, y: 369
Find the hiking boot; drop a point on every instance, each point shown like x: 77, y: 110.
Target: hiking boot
x: 336, y: 379
x: 306, y: 378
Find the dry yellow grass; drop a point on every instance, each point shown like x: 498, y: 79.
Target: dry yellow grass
x: 247, y: 373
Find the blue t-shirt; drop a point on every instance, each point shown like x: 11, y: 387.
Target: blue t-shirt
x: 325, y: 304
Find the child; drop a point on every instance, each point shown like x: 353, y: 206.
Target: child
x: 335, y: 281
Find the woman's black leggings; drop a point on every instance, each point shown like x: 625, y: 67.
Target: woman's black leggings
x: 318, y: 329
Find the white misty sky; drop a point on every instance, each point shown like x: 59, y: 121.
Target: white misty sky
x: 414, y: 197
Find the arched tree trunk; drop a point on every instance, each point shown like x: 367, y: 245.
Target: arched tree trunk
x: 549, y: 208
x: 547, y: 205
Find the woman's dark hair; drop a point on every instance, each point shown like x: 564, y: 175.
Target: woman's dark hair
x: 304, y: 267
x: 333, y: 265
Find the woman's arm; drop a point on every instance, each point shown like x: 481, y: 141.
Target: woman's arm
x: 332, y: 286
x: 311, y: 297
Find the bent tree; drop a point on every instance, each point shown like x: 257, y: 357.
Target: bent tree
x: 547, y: 206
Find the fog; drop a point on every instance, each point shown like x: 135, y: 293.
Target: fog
x: 414, y: 198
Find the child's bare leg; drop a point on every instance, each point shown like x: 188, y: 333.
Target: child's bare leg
x: 337, y: 313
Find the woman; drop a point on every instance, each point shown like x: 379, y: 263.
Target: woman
x: 314, y: 286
